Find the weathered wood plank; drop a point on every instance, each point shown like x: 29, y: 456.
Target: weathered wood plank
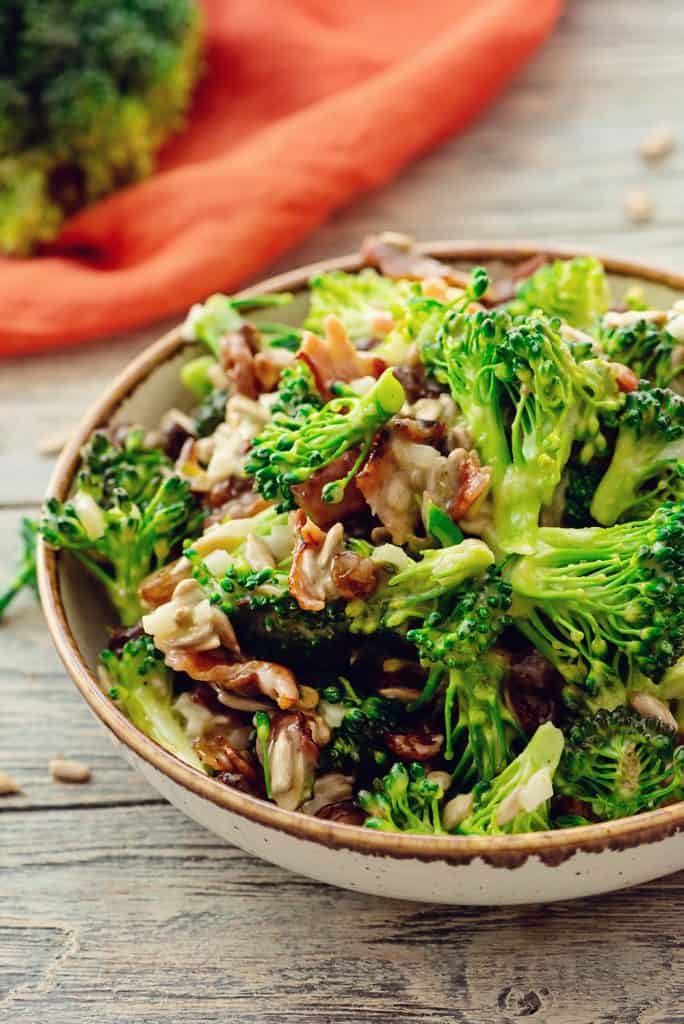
x: 142, y: 914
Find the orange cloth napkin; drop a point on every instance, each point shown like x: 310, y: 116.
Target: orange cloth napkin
x: 304, y: 105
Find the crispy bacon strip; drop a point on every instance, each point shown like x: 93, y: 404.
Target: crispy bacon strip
x: 243, y: 677
x: 473, y: 482
x: 308, y: 494
x: 237, y: 361
x: 334, y: 358
x: 396, y: 256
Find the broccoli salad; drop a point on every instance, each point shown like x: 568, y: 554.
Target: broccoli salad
x: 416, y: 564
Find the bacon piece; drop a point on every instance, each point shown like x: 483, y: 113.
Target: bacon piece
x: 505, y: 289
x: 421, y: 744
x: 344, y: 811
x: 533, y: 689
x: 240, y: 503
x: 237, y: 350
x: 215, y: 752
x: 334, y: 358
x: 473, y: 481
x: 625, y: 378
x: 310, y: 579
x: 354, y: 576
x: 308, y: 494
x: 242, y: 677
x: 158, y: 587
x: 396, y: 256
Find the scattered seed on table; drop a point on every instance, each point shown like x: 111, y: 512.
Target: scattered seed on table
x: 62, y: 770
x: 658, y: 143
x: 8, y: 785
x: 638, y: 205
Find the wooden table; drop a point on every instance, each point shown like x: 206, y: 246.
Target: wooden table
x: 116, y: 908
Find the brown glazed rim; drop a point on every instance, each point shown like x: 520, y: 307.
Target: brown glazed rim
x: 500, y: 851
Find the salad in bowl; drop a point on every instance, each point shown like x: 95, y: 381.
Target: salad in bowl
x: 415, y: 563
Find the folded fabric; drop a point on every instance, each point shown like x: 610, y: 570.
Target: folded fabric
x: 304, y: 105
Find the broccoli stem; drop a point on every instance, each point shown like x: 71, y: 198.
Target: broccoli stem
x: 262, y: 724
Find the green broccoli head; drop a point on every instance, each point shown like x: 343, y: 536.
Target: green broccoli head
x: 358, y: 300
x: 127, y: 515
x: 575, y: 290
x: 647, y: 467
x: 141, y: 685
x: 88, y: 92
x: 526, y: 399
x: 405, y: 800
x: 298, y: 395
x: 292, y: 447
x: 357, y: 741
x: 210, y: 321
x: 519, y: 798
x: 620, y: 764
x: 605, y: 606
x: 580, y: 483
x: 25, y: 574
x: 647, y: 348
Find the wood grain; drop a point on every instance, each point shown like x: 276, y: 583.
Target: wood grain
x: 114, y: 907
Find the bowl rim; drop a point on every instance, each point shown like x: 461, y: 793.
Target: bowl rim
x: 552, y: 847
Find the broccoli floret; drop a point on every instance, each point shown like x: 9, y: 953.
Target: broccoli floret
x: 620, y: 764
x: 416, y: 589
x: 605, y: 605
x: 480, y: 730
x: 297, y: 392
x: 25, y: 575
x: 292, y: 447
x: 210, y: 413
x: 645, y: 347
x: 357, y: 741
x: 127, y: 515
x: 647, y: 467
x: 142, y: 686
x: 356, y: 299
x: 518, y: 800
x: 575, y: 290
x: 405, y: 800
x: 210, y: 321
x: 581, y: 482
x: 525, y: 399
x: 89, y: 91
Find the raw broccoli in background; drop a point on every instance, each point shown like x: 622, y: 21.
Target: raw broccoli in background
x: 620, y: 763
x: 141, y: 685
x: 605, y: 605
x: 647, y: 467
x: 25, y: 575
x: 125, y: 519
x: 89, y: 90
x: 356, y: 299
x: 291, y: 448
x: 576, y: 290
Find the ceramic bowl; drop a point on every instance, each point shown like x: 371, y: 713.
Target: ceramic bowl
x: 543, y: 866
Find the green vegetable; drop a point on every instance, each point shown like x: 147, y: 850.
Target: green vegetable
x: 262, y: 724
x: 358, y: 739
x: 526, y: 400
x: 581, y: 482
x: 210, y: 322
x: 647, y: 467
x: 621, y: 764
x: 405, y: 800
x: 196, y: 376
x: 210, y: 412
x: 25, y: 575
x: 142, y: 686
x: 292, y: 447
x: 648, y: 350
x: 518, y: 800
x: 89, y: 90
x: 442, y: 527
x: 605, y: 606
x: 126, y: 517
x: 355, y: 298
x: 576, y: 290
